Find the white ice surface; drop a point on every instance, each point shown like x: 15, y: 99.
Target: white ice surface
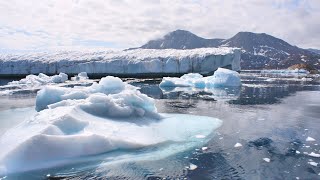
x: 221, y: 78
x: 80, y: 77
x: 39, y: 80
x: 137, y: 61
x: 113, y: 116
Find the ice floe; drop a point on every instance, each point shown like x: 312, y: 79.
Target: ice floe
x: 285, y: 71
x: 310, y: 139
x: 237, y: 145
x: 266, y: 159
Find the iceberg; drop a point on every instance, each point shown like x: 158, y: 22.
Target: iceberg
x: 221, y: 78
x: 136, y: 62
x: 80, y: 77
x: 41, y: 79
x: 106, y: 117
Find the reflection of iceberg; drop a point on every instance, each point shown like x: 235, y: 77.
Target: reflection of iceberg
x: 216, y: 93
x: 221, y: 78
x: 111, y: 116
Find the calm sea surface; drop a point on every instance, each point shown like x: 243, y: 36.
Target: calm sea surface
x: 270, y: 116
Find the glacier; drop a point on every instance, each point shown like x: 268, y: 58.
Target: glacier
x: 108, y: 116
x: 221, y: 78
x: 143, y: 62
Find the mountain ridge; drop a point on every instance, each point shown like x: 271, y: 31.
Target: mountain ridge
x: 259, y: 50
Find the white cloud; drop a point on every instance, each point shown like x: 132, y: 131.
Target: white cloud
x: 128, y: 23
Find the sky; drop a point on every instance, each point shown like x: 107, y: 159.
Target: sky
x: 35, y: 25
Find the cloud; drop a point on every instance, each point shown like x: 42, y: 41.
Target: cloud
x: 49, y: 24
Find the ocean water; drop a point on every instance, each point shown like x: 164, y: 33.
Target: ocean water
x: 271, y: 116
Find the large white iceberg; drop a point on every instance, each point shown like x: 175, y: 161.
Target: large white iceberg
x: 221, y: 78
x: 130, y: 62
x: 108, y: 116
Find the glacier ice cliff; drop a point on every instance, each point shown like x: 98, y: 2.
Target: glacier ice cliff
x: 135, y: 62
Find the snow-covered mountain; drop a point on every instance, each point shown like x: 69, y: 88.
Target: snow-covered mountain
x: 259, y: 50
x: 181, y: 39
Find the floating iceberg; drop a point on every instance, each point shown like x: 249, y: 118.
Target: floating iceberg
x: 41, y: 79
x: 32, y: 83
x: 221, y: 78
x: 137, y: 62
x: 80, y: 77
x: 106, y: 117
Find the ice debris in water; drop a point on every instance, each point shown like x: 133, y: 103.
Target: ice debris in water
x: 237, y: 145
x: 310, y: 139
x: 200, y: 136
x: 314, y: 154
x: 96, y: 120
x: 313, y: 163
x: 285, y: 71
x: 80, y: 77
x: 221, y: 78
x: 204, y: 148
x: 266, y: 159
x: 192, y: 167
x: 41, y: 79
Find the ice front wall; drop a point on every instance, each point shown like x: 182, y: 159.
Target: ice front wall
x: 130, y: 62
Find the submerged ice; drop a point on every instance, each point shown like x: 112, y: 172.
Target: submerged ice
x: 76, y: 123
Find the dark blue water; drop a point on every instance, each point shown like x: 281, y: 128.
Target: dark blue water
x: 270, y: 118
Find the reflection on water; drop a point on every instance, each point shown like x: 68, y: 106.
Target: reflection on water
x: 270, y: 116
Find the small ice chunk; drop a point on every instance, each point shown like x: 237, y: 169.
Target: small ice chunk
x: 314, y: 154
x: 310, y: 139
x: 313, y: 163
x: 297, y: 152
x: 192, y: 167
x: 200, y: 136
x: 204, y: 148
x: 237, y: 145
x: 266, y: 159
